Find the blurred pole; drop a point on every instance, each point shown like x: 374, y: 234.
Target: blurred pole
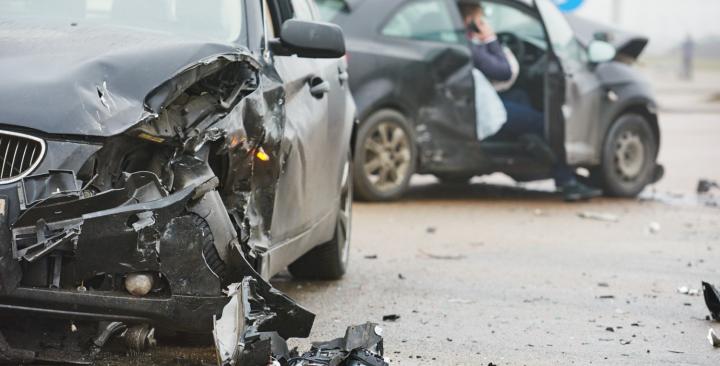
x: 688, y: 58
x: 616, y: 12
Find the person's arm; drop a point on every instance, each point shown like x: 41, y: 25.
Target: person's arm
x: 490, y: 59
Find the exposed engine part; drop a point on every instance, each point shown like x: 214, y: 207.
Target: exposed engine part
x: 139, y: 338
x: 139, y: 284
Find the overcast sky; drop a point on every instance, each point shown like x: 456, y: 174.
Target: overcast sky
x: 667, y: 22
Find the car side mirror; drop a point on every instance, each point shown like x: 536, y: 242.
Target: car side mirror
x: 309, y: 40
x: 599, y: 52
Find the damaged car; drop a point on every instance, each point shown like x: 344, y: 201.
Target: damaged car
x: 154, y: 153
x: 412, y: 78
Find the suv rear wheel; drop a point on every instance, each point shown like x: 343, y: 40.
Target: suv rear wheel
x: 629, y: 157
x: 385, y: 155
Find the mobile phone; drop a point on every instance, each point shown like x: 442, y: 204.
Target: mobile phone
x: 473, y: 28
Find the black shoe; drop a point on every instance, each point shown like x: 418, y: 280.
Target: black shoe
x: 537, y: 146
x: 576, y: 191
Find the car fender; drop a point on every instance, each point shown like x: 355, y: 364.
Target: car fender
x: 625, y: 92
x: 630, y: 100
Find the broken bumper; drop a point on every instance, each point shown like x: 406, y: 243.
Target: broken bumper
x: 66, y: 256
x: 64, y: 253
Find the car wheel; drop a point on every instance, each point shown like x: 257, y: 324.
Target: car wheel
x: 329, y: 261
x: 385, y: 156
x: 454, y: 179
x: 628, y: 158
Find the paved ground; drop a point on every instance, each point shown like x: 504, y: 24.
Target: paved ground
x: 490, y: 273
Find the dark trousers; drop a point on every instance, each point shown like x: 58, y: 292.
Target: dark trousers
x: 524, y: 120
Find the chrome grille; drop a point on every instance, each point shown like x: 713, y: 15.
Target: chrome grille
x: 20, y: 155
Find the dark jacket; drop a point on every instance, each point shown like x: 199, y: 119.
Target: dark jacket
x: 490, y: 59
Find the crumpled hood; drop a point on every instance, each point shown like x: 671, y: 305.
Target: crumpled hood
x: 626, y: 43
x: 88, y: 80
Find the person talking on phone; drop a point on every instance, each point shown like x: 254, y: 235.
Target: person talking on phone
x: 523, y: 122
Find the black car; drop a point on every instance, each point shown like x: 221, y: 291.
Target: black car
x: 155, y: 152
x: 410, y: 68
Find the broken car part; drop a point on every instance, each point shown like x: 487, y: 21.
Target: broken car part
x: 712, y: 300
x: 247, y: 334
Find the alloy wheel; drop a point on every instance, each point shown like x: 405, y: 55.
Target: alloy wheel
x: 629, y: 155
x: 387, y: 156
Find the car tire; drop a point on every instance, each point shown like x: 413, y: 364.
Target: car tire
x: 629, y: 157
x: 385, y: 157
x: 329, y: 261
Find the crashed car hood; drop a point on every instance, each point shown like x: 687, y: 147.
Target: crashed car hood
x: 626, y: 43
x: 88, y: 80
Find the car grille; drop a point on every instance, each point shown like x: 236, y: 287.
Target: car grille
x: 20, y: 155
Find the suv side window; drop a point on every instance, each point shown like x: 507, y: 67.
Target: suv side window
x: 426, y: 20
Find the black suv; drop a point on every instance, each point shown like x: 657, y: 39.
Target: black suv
x: 411, y: 75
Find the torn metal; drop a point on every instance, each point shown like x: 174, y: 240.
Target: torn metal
x: 250, y: 334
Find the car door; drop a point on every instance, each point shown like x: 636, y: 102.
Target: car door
x: 427, y: 46
x: 306, y: 190
x: 573, y: 91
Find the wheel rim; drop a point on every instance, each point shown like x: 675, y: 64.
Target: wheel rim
x: 629, y: 155
x: 387, y: 157
x: 345, y: 215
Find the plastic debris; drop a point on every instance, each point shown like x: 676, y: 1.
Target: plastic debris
x: 713, y: 338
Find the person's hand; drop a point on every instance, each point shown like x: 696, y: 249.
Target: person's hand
x: 487, y: 33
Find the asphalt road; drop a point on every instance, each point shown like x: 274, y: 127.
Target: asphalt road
x: 493, y: 272
x: 499, y: 273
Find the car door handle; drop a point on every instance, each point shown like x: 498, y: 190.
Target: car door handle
x: 343, y: 76
x: 318, y: 87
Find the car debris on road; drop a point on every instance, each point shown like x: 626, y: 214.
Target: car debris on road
x: 598, y: 216
x: 712, y: 300
x: 249, y: 333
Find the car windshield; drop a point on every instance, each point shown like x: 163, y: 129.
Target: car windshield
x: 216, y: 19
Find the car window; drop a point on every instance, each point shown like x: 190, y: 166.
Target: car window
x: 302, y: 10
x: 329, y: 9
x: 217, y: 19
x: 427, y: 20
x: 562, y: 37
x: 504, y: 18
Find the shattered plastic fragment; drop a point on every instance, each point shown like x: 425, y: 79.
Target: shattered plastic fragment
x: 713, y: 338
x: 712, y: 300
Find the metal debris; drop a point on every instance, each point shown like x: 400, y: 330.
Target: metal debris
x: 705, y: 186
x: 599, y: 216
x: 391, y: 317
x: 253, y: 329
x: 446, y: 257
